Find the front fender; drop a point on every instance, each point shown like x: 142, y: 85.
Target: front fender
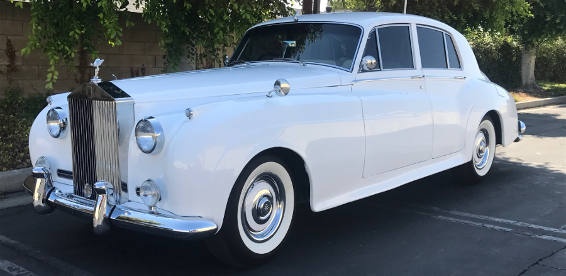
x: 204, y: 156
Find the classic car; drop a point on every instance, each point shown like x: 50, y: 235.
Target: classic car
x: 318, y: 109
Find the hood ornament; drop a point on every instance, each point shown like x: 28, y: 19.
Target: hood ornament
x: 96, y: 64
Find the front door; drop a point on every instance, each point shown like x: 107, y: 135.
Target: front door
x: 396, y: 107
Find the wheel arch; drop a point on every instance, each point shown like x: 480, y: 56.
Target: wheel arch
x: 297, y: 166
x: 496, y: 119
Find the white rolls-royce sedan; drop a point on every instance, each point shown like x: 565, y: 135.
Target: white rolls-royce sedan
x: 323, y: 109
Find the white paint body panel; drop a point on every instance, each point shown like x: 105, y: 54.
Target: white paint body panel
x: 358, y: 133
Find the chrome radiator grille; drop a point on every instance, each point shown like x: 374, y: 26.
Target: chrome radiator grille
x: 94, y: 136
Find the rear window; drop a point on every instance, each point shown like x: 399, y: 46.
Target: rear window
x: 431, y: 45
x: 437, y: 49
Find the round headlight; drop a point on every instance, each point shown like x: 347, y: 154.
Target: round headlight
x: 56, y: 121
x: 149, y: 193
x: 149, y: 135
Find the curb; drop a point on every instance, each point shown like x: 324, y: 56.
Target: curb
x: 12, y: 181
x: 542, y: 102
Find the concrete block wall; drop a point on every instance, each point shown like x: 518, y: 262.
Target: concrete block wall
x: 140, y: 54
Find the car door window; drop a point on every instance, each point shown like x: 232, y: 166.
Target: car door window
x: 453, y: 60
x: 395, y: 47
x: 371, y: 49
x: 431, y: 45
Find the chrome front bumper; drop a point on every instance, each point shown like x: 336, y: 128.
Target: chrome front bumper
x: 105, y: 215
x: 521, y: 128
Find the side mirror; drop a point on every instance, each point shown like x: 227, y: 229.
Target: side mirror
x: 368, y: 63
x: 226, y: 60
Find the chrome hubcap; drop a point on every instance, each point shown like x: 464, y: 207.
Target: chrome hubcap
x: 262, y: 208
x: 481, y: 154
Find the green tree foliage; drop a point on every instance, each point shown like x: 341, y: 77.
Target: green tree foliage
x: 460, y: 14
x: 64, y: 29
x: 201, y: 30
x: 465, y: 14
x: 197, y: 29
x: 551, y: 61
x: 498, y: 55
x: 547, y: 23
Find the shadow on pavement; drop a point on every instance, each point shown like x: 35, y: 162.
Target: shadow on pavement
x: 538, y: 123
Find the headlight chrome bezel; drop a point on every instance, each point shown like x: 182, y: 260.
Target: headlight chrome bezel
x: 56, y: 121
x: 153, y: 136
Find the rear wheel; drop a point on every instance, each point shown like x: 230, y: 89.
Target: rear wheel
x: 258, y: 215
x: 484, y: 152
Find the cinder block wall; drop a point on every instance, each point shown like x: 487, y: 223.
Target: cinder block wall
x: 139, y: 54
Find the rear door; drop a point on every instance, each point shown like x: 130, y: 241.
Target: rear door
x: 445, y: 83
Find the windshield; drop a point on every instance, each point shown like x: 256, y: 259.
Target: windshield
x: 325, y: 43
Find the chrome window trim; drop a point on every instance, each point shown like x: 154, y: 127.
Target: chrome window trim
x: 351, y: 69
x: 445, y: 48
x: 446, y: 51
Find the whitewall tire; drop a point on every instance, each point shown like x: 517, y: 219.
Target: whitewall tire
x: 258, y: 215
x: 483, y: 154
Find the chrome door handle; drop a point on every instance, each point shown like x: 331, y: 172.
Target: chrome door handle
x: 460, y: 77
x: 417, y: 77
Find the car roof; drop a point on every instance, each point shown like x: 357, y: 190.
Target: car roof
x: 364, y: 19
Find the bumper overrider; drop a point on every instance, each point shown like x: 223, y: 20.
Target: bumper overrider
x: 106, y: 215
x: 521, y: 128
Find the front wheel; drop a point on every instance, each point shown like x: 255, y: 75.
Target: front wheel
x: 484, y: 152
x: 258, y: 215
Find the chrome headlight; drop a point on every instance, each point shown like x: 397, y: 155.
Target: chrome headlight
x: 56, y: 121
x: 149, y: 135
x: 149, y: 193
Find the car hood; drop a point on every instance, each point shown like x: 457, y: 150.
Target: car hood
x: 241, y: 79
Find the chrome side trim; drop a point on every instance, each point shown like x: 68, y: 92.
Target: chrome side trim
x: 415, y: 77
x: 439, y: 77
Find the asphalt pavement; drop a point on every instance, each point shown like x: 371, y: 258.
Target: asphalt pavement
x: 513, y: 223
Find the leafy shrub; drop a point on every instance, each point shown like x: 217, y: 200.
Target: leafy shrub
x: 551, y: 61
x: 499, y: 57
x: 16, y: 114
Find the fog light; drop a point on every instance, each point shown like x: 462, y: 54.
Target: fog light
x: 149, y: 193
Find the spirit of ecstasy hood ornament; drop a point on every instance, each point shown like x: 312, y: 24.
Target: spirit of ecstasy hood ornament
x: 96, y: 64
